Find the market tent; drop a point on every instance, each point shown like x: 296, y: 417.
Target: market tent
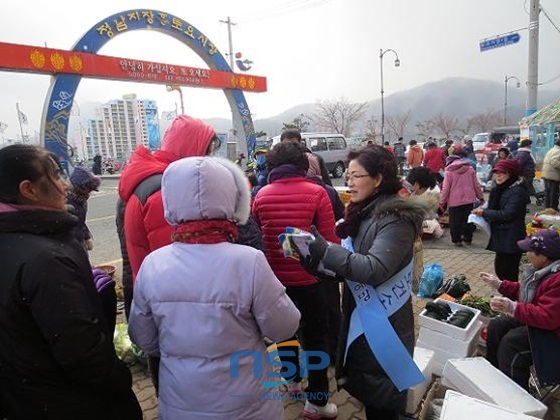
x: 550, y: 114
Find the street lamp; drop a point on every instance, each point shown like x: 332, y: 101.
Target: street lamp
x: 173, y: 87
x: 508, y: 78
x: 397, y: 64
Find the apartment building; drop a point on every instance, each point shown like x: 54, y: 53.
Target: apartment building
x: 121, y: 126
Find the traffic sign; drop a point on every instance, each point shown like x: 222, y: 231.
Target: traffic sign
x: 499, y: 41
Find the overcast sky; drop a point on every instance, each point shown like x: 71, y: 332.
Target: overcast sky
x: 309, y: 50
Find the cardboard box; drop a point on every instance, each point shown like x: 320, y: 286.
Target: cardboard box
x: 448, y: 329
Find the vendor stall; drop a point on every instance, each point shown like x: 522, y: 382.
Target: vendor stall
x: 541, y: 127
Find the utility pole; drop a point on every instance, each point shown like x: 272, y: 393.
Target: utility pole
x: 533, y: 69
x: 20, y: 122
x: 230, y: 40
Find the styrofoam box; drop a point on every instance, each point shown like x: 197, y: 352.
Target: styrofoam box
x: 477, y: 378
x: 448, y: 329
x: 457, y: 406
x: 441, y: 357
x: 424, y: 360
x: 439, y: 340
x: 452, y: 348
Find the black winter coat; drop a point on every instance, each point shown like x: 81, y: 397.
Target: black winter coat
x: 507, y: 224
x: 57, y: 359
x: 383, y: 247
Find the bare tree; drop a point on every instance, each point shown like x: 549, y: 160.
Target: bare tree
x: 339, y: 116
x: 446, y: 124
x: 300, y: 123
x: 372, y: 133
x: 485, y: 121
x: 397, y: 124
x: 466, y: 127
x: 424, y: 128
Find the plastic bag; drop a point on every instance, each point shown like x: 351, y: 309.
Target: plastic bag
x: 123, y: 345
x: 431, y: 281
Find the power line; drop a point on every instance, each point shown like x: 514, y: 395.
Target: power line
x: 550, y: 19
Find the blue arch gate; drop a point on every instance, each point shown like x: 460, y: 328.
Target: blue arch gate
x: 61, y: 93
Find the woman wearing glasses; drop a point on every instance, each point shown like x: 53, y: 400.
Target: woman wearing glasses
x: 375, y: 356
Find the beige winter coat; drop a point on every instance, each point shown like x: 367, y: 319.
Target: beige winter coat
x: 551, y: 164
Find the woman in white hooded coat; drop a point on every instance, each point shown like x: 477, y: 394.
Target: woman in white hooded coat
x: 203, y: 298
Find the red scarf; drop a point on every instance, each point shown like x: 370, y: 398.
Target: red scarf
x: 205, y: 232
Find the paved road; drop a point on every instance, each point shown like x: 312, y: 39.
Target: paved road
x: 101, y: 221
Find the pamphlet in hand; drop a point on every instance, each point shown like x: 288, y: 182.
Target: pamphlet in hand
x: 299, y: 238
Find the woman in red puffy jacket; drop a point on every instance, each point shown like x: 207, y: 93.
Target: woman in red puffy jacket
x: 290, y: 199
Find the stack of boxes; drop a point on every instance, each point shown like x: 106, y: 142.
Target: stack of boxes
x: 477, y: 378
x: 448, y: 341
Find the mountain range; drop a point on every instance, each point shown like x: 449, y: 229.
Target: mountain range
x: 457, y: 97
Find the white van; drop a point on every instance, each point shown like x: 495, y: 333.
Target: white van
x: 331, y: 147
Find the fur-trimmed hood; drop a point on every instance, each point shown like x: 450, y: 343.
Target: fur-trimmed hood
x: 414, y: 208
x: 203, y: 188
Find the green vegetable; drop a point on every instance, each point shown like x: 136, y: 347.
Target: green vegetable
x: 123, y: 345
x: 480, y: 303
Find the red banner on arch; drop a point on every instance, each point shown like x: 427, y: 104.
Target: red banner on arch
x: 27, y: 58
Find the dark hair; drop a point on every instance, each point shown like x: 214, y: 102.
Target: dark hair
x: 421, y: 175
x: 375, y: 160
x: 504, y: 149
x: 20, y: 162
x: 287, y: 153
x: 378, y: 160
x: 432, y: 145
x: 386, y: 143
x: 290, y: 134
x: 412, y: 142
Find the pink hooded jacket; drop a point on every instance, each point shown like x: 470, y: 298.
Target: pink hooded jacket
x: 460, y: 185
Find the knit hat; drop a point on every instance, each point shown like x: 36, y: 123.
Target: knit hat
x: 508, y: 166
x: 83, y: 179
x: 544, y: 241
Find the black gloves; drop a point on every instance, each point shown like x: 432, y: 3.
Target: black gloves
x: 317, y: 249
x: 318, y: 246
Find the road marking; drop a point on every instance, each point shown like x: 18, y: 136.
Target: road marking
x: 97, y: 219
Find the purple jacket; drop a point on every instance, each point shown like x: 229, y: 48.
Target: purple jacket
x: 460, y: 185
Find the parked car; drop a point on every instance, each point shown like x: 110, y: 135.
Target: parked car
x: 479, y: 142
x: 333, y: 148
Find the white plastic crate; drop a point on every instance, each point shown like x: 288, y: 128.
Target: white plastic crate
x: 457, y: 406
x: 477, y: 378
x: 448, y: 329
x: 424, y: 360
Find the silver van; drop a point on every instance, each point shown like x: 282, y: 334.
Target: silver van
x: 331, y: 147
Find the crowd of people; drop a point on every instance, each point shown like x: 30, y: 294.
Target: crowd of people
x: 209, y: 332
